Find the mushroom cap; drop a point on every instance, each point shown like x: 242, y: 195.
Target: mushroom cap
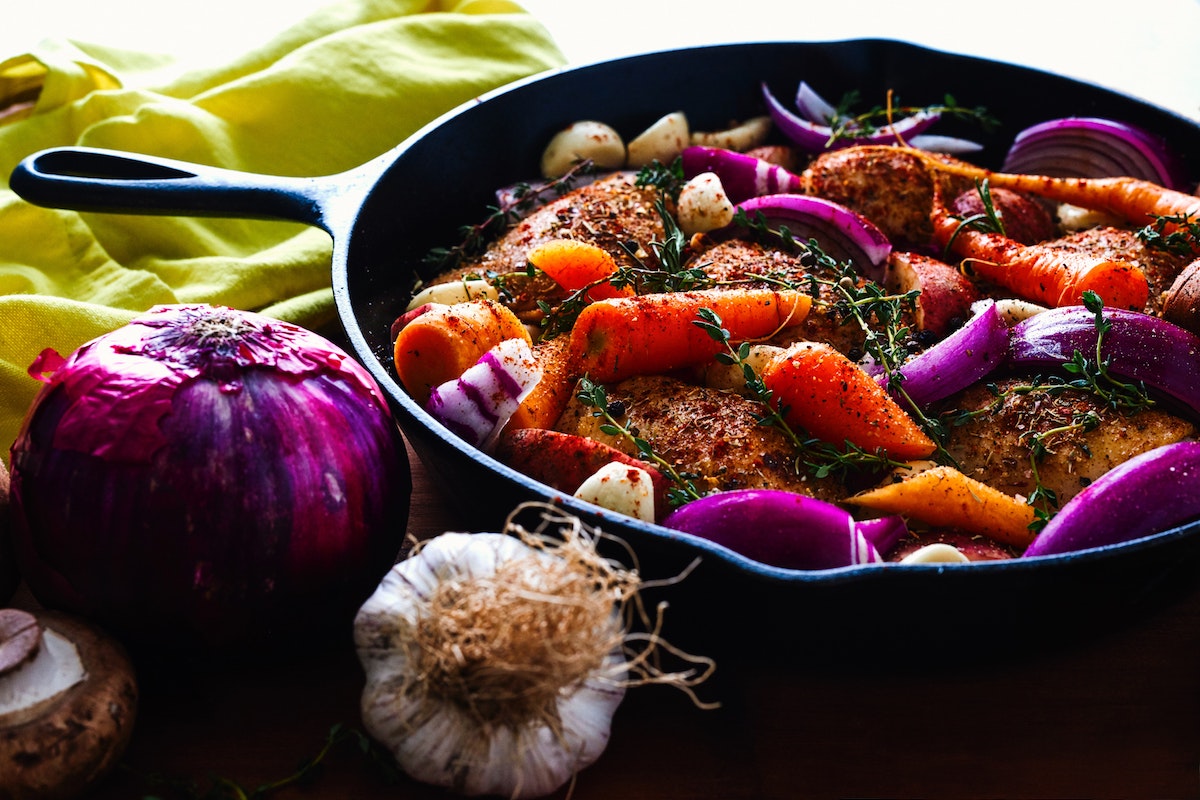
x: 74, y: 738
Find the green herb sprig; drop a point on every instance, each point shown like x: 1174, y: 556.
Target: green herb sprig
x: 1177, y: 233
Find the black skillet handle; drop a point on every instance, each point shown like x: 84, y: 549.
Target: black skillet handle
x: 91, y: 179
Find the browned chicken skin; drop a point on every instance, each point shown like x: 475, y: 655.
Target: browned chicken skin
x: 708, y: 432
x: 995, y: 446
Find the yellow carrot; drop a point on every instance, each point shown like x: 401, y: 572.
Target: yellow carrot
x: 573, y: 264
x: 833, y: 399
x: 441, y: 342
x: 943, y: 497
x: 645, y: 335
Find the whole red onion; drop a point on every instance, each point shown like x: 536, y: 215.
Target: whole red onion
x: 208, y: 476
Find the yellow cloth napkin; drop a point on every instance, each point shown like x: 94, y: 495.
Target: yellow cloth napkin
x: 344, y: 85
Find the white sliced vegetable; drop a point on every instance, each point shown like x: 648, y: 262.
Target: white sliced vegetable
x: 619, y: 487
x: 586, y: 139
x: 749, y: 134
x: 704, y: 205
x: 477, y: 405
x: 454, y: 292
x: 661, y: 142
x: 936, y: 553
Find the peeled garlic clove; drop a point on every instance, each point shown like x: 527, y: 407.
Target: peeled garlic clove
x: 454, y: 292
x: 936, y: 553
x: 748, y: 135
x: 704, y: 205
x: 586, y: 139
x: 623, y: 488
x: 661, y: 142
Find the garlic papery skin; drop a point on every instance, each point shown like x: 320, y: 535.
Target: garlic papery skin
x: 442, y: 720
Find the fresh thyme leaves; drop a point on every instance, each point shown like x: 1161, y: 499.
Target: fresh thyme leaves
x: 848, y: 124
x: 523, y: 198
x: 1178, y: 234
x: 666, y: 178
x: 595, y: 396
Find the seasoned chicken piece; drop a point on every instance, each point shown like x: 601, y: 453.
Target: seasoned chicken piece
x: 994, y: 446
x: 891, y: 187
x: 606, y: 213
x: 708, y: 432
x: 738, y: 262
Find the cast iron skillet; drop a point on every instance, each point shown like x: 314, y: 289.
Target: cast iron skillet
x: 384, y: 215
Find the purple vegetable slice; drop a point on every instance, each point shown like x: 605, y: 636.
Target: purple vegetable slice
x: 1137, y: 346
x: 785, y: 529
x: 1093, y: 147
x: 814, y: 137
x: 1150, y: 493
x: 743, y: 176
x: 842, y: 233
x: 962, y: 358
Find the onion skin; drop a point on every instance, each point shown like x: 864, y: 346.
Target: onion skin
x: 785, y: 529
x: 1147, y: 494
x: 1138, y: 346
x: 208, y: 494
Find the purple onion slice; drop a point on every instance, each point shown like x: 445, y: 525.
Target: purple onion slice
x: 1092, y: 147
x: 815, y: 137
x: 788, y: 530
x: 956, y: 362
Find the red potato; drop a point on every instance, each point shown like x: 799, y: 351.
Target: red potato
x: 946, y: 294
x: 1025, y: 219
x: 564, y: 461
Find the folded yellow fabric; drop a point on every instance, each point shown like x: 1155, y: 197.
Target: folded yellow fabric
x: 341, y: 87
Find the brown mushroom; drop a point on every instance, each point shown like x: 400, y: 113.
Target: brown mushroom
x: 1181, y: 303
x: 68, y: 698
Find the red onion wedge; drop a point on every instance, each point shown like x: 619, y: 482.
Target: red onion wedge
x: 477, y: 405
x: 816, y: 137
x: 843, y: 234
x: 1137, y: 346
x: 959, y: 360
x: 1148, y: 494
x: 785, y: 529
x: 1091, y: 147
x: 743, y: 176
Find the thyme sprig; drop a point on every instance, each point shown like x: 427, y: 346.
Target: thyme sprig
x: 847, y: 123
x: 1174, y: 233
x: 668, y: 179
x: 595, y: 396
x: 524, y: 197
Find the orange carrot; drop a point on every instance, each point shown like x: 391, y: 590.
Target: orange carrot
x: 833, y: 399
x: 618, y: 338
x: 440, y: 343
x: 573, y: 265
x: 946, y: 498
x: 543, y: 405
x: 1039, y: 273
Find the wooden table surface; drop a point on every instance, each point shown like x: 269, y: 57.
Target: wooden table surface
x: 1116, y: 714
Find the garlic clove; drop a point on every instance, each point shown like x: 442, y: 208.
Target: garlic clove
x: 704, y: 205
x: 623, y: 488
x: 742, y: 137
x: 586, y: 139
x: 453, y: 292
x: 661, y: 142
x: 936, y: 553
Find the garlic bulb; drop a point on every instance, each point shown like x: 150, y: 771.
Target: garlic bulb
x: 494, y: 663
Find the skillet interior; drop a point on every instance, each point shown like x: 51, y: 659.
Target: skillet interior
x: 444, y: 177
